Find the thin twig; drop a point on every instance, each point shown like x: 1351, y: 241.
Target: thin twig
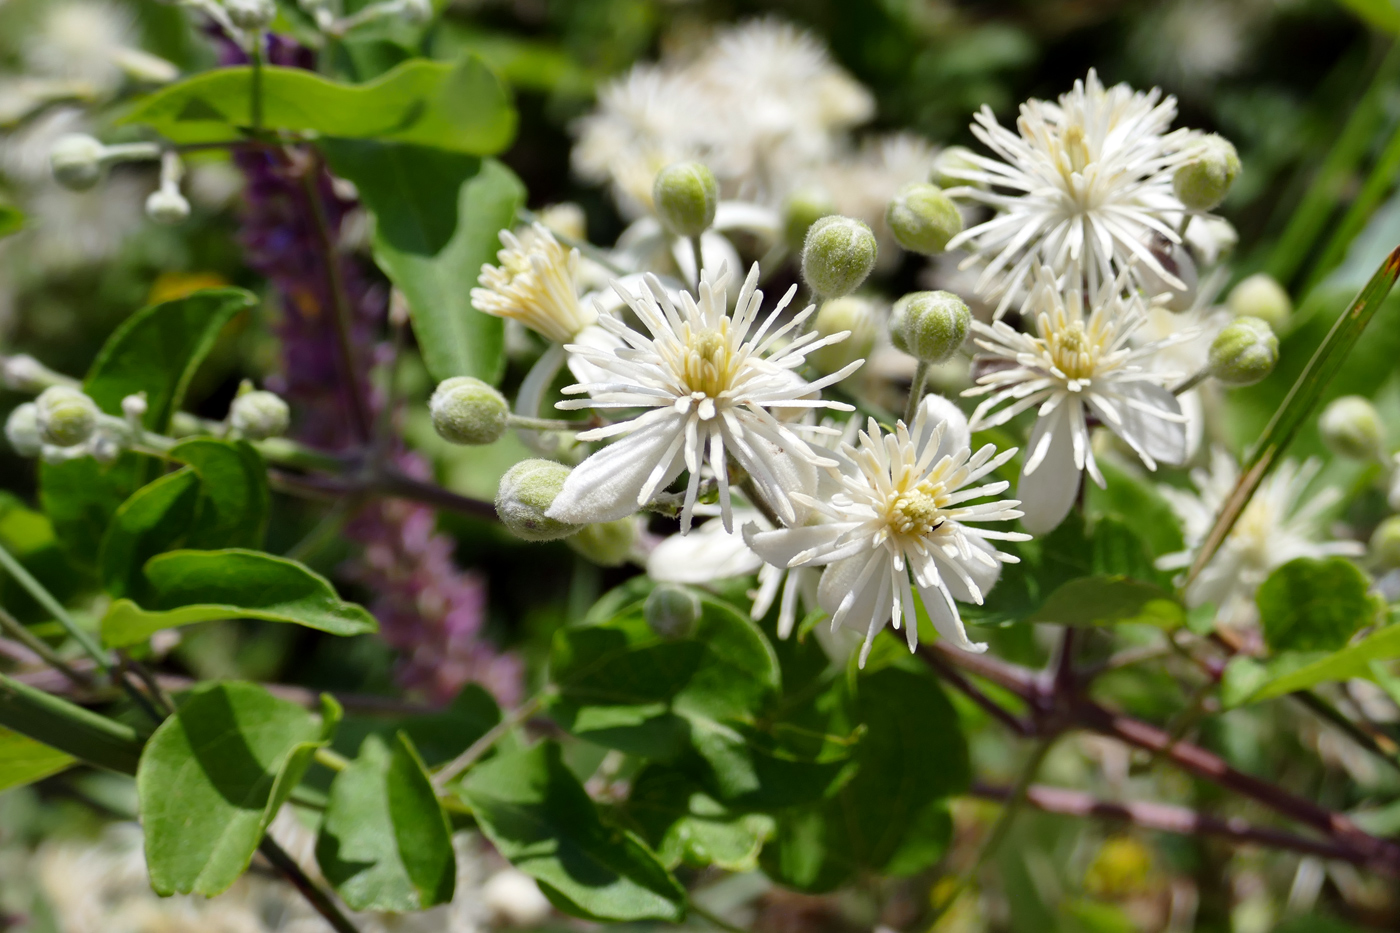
x: 324, y: 904
x: 715, y: 919
x: 1003, y: 715
x: 493, y: 735
x: 20, y: 633
x: 916, y: 392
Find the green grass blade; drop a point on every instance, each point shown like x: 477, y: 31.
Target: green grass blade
x: 1299, y: 404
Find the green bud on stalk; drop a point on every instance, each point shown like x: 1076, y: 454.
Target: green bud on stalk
x: 251, y: 15
x: 923, y: 219
x: 22, y: 430
x: 838, y: 255
x: 66, y: 417
x: 672, y: 610
x: 257, y: 415
x: 1243, y: 353
x: 1350, y: 427
x: 607, y: 544
x: 854, y: 314
x: 1262, y: 297
x: 526, y: 492
x: 1203, y: 182
x: 930, y: 326
x: 1385, y: 542
x: 468, y: 411
x: 77, y: 160
x: 686, y: 195
x: 167, y: 206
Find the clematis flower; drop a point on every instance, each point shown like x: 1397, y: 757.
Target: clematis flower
x: 537, y: 284
x: 903, y: 511
x: 1277, y: 526
x: 1083, y: 182
x: 711, y: 383
x: 1075, y: 367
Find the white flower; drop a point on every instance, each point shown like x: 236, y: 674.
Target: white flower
x: 535, y: 284
x: 1277, y: 526
x: 863, y: 184
x: 93, y: 42
x: 1074, y: 368
x: 709, y: 380
x: 1082, y: 184
x: 903, y: 511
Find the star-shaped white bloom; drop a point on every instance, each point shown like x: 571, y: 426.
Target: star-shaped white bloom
x: 712, y: 383
x: 1277, y: 526
x: 537, y: 284
x: 902, y: 511
x: 1084, y: 182
x: 1076, y: 367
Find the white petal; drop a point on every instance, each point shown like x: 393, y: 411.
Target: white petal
x: 1163, y: 441
x: 596, y: 338
x: 983, y: 575
x: 706, y: 554
x: 1048, y: 493
x: 779, y: 547
x: 604, y: 487
x: 939, y: 410
x: 946, y: 621
x: 838, y: 581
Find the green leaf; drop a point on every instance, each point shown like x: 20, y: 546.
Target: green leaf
x: 687, y: 826
x: 461, y: 107
x: 1111, y: 600
x: 1382, y: 14
x: 24, y: 761
x: 68, y: 727
x: 212, y: 778
x: 29, y: 536
x: 438, y: 217
x: 155, y: 351
x: 11, y: 220
x: 203, y: 586
x: 156, y: 518
x: 891, y: 817
x: 1135, y: 501
x: 234, y: 498
x: 1314, y: 605
x: 385, y: 843
x: 439, y: 736
x: 1297, y: 408
x: 538, y: 816
x: 1249, y: 681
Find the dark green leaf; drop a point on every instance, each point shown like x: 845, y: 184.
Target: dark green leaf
x: 29, y: 536
x: 1314, y: 605
x: 212, y: 778
x: 24, y: 761
x: 385, y: 843
x: 461, y: 107
x: 1110, y: 600
x: 438, y: 218
x: 439, y: 736
x: 1134, y: 501
x: 1249, y: 681
x: 234, y: 498
x: 538, y: 816
x: 68, y: 727
x: 156, y: 518
x: 202, y: 586
x: 1381, y: 14
x: 686, y: 825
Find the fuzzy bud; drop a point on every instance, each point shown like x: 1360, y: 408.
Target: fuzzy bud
x: 514, y: 899
x: 930, y: 326
x: 1243, y: 353
x: 671, y: 610
x: 66, y: 417
x: 923, y: 219
x: 1350, y: 427
x: 1385, y: 542
x: 256, y: 415
x: 838, y: 254
x: 134, y: 407
x: 686, y: 195
x: 22, y: 430
x: 1262, y: 297
x: 23, y: 373
x: 251, y: 15
x: 1203, y: 182
x: 955, y: 159
x: 853, y: 314
x: 803, y: 208
x: 526, y: 492
x: 607, y: 544
x: 167, y: 206
x: 468, y: 411
x: 76, y: 160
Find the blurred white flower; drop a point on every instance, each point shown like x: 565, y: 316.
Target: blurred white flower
x: 711, y: 383
x: 1183, y: 347
x: 903, y: 510
x: 1076, y: 366
x: 92, y: 41
x: 1277, y: 526
x: 1080, y: 187
x: 862, y: 184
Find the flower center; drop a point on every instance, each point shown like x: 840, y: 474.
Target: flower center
x: 1073, y: 351
x: 1076, y: 150
x: 916, y: 512
x: 709, y: 362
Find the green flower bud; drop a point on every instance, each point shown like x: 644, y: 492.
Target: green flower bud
x: 672, y: 610
x: 804, y: 208
x: 257, y: 415
x: 685, y: 195
x: 22, y: 430
x: 66, y: 417
x: 1262, y: 297
x: 1385, y: 542
x: 923, y: 219
x: 251, y: 15
x: 930, y: 326
x: 167, y: 206
x: 607, y: 544
x: 837, y: 256
x: 955, y: 158
x: 1243, y: 353
x: 468, y: 411
x: 857, y: 315
x: 76, y: 160
x: 1350, y: 427
x: 1203, y: 182
x: 526, y: 492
